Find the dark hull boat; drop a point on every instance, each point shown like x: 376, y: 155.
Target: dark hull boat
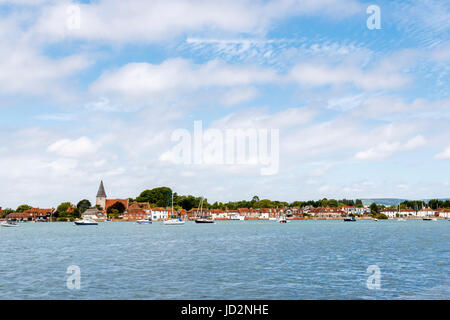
x: 204, y: 220
x: 350, y: 219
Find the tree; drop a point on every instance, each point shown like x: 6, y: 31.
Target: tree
x: 5, y: 212
x: 189, y: 202
x: 118, y: 206
x: 63, y: 207
x: 255, y: 199
x: 374, y: 208
x: 23, y: 207
x: 358, y: 203
x: 83, y: 205
x: 159, y: 196
x: 332, y: 203
x: 76, y: 213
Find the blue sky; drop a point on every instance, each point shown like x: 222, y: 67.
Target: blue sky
x: 361, y: 113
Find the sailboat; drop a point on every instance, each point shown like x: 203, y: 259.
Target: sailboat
x: 399, y: 217
x: 203, y: 219
x: 427, y: 218
x: 282, y: 219
x: 173, y: 221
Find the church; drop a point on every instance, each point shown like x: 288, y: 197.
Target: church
x: 103, y: 203
x: 99, y: 212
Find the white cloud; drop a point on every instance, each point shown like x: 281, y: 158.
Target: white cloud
x: 444, y: 155
x: 239, y: 95
x: 157, y: 20
x: 26, y: 71
x: 73, y: 148
x: 321, y: 75
x: 386, y: 149
x: 137, y: 80
x: 56, y: 117
x: 257, y: 118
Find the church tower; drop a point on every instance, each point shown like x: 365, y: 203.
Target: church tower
x: 100, y: 200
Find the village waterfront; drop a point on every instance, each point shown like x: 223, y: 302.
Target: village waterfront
x: 304, y: 259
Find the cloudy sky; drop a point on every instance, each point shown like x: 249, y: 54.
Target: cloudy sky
x: 93, y: 90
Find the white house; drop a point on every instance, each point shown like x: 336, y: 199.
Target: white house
x: 444, y: 213
x: 427, y: 212
x: 159, y: 214
x: 390, y: 213
x: 93, y: 214
x: 355, y: 210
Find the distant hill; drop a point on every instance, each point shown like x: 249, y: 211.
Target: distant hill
x: 383, y: 201
x: 391, y: 201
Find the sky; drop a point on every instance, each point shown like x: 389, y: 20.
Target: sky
x: 95, y: 90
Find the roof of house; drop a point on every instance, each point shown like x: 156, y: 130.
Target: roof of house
x: 39, y: 211
x: 110, y: 202
x: 91, y: 211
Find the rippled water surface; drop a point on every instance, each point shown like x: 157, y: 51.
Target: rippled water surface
x: 227, y: 260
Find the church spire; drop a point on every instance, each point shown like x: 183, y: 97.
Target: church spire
x: 101, y: 191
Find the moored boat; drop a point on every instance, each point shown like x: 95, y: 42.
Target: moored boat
x: 9, y: 224
x: 144, y: 221
x: 350, y: 219
x: 86, y: 222
x: 202, y: 218
x: 282, y: 219
x: 174, y: 222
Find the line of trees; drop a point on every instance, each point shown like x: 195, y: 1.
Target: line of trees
x: 161, y: 197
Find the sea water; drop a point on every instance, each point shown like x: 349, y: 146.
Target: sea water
x: 227, y: 260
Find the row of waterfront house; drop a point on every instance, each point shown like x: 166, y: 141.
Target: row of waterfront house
x: 142, y: 210
x: 132, y: 211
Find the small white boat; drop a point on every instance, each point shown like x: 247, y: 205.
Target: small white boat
x: 375, y: 219
x: 174, y: 222
x: 401, y: 219
x: 144, y: 221
x: 272, y: 219
x: 434, y: 219
x: 9, y: 224
x: 86, y: 222
x: 282, y: 220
